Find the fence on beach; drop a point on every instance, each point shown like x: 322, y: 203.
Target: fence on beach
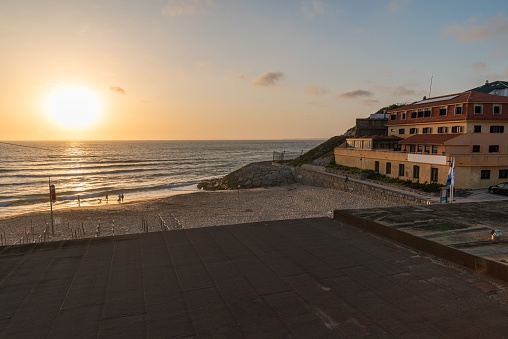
x: 285, y: 156
x: 44, y: 232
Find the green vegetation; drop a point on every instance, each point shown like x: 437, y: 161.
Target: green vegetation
x: 370, y: 174
x: 424, y: 187
x: 324, y: 150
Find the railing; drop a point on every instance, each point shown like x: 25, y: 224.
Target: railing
x: 285, y: 156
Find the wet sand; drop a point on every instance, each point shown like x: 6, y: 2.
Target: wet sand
x: 200, y: 209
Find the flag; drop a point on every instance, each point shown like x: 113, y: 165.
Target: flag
x: 451, y: 173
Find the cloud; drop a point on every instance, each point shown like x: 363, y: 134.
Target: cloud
x: 314, y: 90
x: 478, y: 66
x: 359, y: 93
x: 395, y: 6
x: 403, y: 91
x: 118, y: 89
x: 311, y: 8
x: 370, y: 101
x: 186, y: 7
x: 491, y: 28
x: 269, y: 79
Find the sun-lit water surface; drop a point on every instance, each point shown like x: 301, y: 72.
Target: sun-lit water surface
x: 138, y: 169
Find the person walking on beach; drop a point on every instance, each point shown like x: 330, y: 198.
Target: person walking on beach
x: 79, y: 201
x: 119, y: 198
x: 346, y: 179
x: 122, y: 197
x: 106, y: 198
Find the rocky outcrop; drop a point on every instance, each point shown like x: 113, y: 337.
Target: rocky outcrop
x: 259, y: 174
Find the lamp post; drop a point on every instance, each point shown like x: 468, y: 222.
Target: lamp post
x: 361, y: 166
x: 52, y: 197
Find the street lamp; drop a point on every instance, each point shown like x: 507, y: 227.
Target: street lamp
x: 361, y: 165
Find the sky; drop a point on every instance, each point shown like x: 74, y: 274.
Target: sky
x: 234, y: 69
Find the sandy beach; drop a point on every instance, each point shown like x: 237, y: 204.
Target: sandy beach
x: 200, y: 209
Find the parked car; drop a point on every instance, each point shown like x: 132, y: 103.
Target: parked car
x: 501, y: 188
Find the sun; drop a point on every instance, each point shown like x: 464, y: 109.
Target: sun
x: 73, y: 106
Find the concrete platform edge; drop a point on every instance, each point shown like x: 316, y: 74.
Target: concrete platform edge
x: 476, y: 263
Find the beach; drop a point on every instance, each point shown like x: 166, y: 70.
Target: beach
x: 199, y: 209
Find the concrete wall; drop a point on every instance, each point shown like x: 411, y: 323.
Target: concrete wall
x: 479, y: 264
x: 307, y: 176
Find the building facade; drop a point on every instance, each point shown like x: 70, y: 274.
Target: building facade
x: 471, y: 127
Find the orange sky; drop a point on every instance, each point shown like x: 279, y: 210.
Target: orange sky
x: 223, y: 69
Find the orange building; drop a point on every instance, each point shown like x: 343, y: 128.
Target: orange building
x: 424, y: 136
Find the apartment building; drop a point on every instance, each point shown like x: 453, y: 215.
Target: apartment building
x: 423, y: 137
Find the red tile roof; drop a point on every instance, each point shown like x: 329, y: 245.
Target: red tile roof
x: 429, y: 139
x: 458, y: 98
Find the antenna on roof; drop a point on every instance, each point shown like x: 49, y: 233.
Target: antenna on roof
x: 430, y: 90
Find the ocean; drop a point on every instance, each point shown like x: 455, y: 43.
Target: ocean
x: 137, y: 169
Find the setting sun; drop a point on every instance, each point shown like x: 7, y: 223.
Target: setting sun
x: 75, y: 106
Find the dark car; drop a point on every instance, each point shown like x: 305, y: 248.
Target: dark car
x: 501, y: 188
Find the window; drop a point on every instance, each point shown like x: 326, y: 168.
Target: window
x: 476, y: 148
x: 477, y: 129
x: 376, y: 166
x: 413, y: 130
x: 503, y: 174
x: 401, y: 170
x: 458, y: 109
x: 426, y: 113
x: 496, y: 109
x: 393, y: 117
x: 388, y: 168
x: 427, y: 130
x: 404, y: 116
x: 420, y: 114
x: 442, y: 111
x: 413, y: 114
x: 420, y: 148
x: 485, y: 174
x: 442, y: 129
x: 456, y: 129
x: 416, y: 172
x: 427, y: 148
x: 493, y: 148
x: 434, y: 174
x: 478, y: 109
x: 496, y: 129
x: 434, y: 149
x: 402, y: 131
x: 412, y: 148
x: 392, y: 130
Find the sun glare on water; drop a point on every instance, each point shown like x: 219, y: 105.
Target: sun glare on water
x: 73, y: 107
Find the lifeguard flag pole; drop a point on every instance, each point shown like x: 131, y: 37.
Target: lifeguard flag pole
x: 52, y: 198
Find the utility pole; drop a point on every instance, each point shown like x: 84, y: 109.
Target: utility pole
x: 51, y: 190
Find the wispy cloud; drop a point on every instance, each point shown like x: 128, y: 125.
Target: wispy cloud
x: 359, y: 93
x: 479, y: 66
x: 395, y: 6
x: 269, y: 79
x: 403, y: 91
x: 187, y: 7
x: 118, y: 89
x: 315, y: 90
x: 311, y: 8
x: 470, y: 32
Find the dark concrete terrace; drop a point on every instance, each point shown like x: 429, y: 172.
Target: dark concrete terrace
x: 310, y: 278
x: 457, y: 232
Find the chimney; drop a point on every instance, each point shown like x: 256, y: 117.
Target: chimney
x: 486, y: 82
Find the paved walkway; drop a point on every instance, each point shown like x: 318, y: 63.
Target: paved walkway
x: 474, y: 195
x: 310, y: 278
